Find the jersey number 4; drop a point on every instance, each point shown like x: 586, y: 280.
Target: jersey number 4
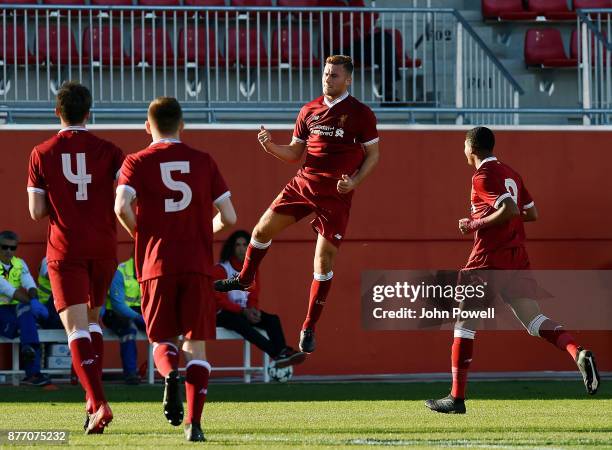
x: 167, y: 168
x: 512, y: 189
x: 81, y: 178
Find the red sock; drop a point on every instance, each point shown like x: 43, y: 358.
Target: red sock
x: 84, y: 362
x: 254, y: 254
x: 166, y: 357
x: 557, y: 336
x: 196, y: 388
x: 461, y: 357
x: 318, y: 293
x: 97, y: 342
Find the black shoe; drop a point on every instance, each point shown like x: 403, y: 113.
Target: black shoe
x: 194, y: 433
x: 447, y: 405
x: 40, y: 379
x: 585, y: 360
x: 132, y: 379
x: 230, y: 284
x: 173, y: 403
x: 289, y: 357
x: 307, y: 340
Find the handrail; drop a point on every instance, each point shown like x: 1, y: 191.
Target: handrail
x: 583, y: 14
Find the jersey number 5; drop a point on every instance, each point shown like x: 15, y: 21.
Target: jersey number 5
x: 512, y: 189
x: 81, y: 178
x: 166, y: 173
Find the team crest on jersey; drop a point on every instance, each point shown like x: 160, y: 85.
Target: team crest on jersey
x: 342, y: 120
x: 339, y: 133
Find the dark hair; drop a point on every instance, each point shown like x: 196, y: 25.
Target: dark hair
x: 343, y: 60
x: 481, y: 139
x: 9, y: 235
x: 166, y: 114
x: 227, y: 251
x: 73, y: 102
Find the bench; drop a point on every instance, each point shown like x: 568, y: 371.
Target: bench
x: 59, y: 336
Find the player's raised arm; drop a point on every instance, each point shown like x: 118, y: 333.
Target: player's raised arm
x: 348, y: 183
x: 226, y: 217
x: 123, y: 208
x: 507, y: 211
x: 288, y: 153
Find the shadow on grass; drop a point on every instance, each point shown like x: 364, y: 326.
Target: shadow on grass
x: 309, y: 392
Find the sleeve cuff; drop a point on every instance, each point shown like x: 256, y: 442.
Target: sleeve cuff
x: 222, y: 197
x: 529, y: 205
x: 37, y: 190
x: 500, y: 199
x: 373, y: 141
x: 297, y: 139
x: 127, y: 188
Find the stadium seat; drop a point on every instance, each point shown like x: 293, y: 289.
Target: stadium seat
x: 97, y: 46
x: 126, y: 13
x: 544, y: 48
x: 281, y: 38
x: 298, y: 3
x: 551, y: 9
x: 574, y: 47
x: 63, y: 2
x: 248, y: 3
x: 149, y: 45
x: 585, y: 4
x: 62, y: 45
x: 13, y: 50
x: 198, y: 47
x: 506, y: 10
x: 402, y: 59
x: 159, y: 3
x: 243, y: 58
x: 204, y: 2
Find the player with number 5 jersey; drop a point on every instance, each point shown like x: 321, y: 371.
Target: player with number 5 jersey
x: 71, y: 179
x: 174, y: 188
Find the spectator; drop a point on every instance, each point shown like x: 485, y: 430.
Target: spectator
x: 122, y: 314
x: 48, y: 319
x: 19, y: 307
x: 239, y: 311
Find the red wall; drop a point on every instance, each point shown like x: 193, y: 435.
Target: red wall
x: 404, y: 217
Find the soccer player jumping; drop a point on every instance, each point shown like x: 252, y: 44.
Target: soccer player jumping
x: 71, y: 179
x: 174, y: 188
x: 500, y: 204
x: 341, y: 141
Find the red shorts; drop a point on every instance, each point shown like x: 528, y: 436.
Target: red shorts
x: 514, y: 258
x: 81, y: 281
x: 303, y: 196
x: 183, y: 304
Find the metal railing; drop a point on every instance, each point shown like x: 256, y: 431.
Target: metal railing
x: 594, y: 36
x: 242, y: 59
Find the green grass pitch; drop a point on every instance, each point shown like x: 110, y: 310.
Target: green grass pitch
x: 542, y: 414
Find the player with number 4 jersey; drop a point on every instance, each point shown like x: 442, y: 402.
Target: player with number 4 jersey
x: 71, y: 179
x: 174, y: 188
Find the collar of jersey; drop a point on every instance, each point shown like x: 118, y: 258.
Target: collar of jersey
x: 165, y: 141
x: 336, y: 101
x: 73, y: 129
x: 490, y: 158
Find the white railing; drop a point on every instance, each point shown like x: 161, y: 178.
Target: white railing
x: 251, y: 59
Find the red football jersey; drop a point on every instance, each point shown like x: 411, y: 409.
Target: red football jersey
x: 77, y: 170
x: 335, y: 134
x: 493, y: 182
x: 175, y: 187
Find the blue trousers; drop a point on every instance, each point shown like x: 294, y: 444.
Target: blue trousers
x: 126, y: 329
x: 18, y: 320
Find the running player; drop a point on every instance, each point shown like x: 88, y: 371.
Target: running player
x: 173, y: 188
x: 341, y: 141
x: 71, y: 178
x: 500, y: 204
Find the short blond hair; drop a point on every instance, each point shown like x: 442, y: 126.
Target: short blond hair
x: 343, y: 60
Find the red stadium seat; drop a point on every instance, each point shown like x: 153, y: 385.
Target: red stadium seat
x: 251, y: 3
x: 204, y: 2
x: 62, y: 45
x: 149, y: 46
x: 63, y: 2
x: 97, y: 46
x: 298, y: 3
x: 506, y: 10
x: 551, y: 9
x: 593, y: 4
x: 281, y: 39
x: 574, y: 46
x: 18, y: 12
x: 126, y: 13
x: 402, y: 60
x: 197, y: 46
x: 13, y: 49
x: 243, y: 57
x: 544, y: 48
x: 159, y: 3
